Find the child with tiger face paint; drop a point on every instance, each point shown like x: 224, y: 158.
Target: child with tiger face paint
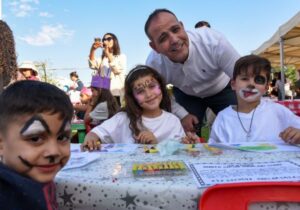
x: 35, y: 129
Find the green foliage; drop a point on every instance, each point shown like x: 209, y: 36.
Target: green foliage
x: 290, y: 73
x: 45, y: 74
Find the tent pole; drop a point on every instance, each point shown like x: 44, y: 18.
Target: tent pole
x: 281, y: 43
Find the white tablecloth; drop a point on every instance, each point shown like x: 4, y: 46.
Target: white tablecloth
x: 108, y: 183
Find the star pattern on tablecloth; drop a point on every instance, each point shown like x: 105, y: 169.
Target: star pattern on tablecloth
x: 129, y: 199
x: 66, y: 198
x: 284, y: 204
x: 196, y: 200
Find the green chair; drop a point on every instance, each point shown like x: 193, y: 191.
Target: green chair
x: 80, y: 129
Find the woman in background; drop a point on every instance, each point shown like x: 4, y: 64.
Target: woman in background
x: 111, y: 64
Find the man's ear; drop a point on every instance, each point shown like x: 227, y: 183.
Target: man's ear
x: 152, y: 45
x: 181, y: 23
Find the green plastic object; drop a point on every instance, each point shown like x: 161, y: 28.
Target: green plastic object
x: 80, y: 128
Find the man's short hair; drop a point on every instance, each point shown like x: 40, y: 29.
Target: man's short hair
x: 152, y: 16
x: 202, y: 23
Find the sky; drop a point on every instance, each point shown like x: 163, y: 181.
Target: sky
x: 61, y: 32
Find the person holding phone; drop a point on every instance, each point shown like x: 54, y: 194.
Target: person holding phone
x: 111, y: 64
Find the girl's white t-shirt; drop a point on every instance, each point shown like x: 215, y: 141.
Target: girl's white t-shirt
x: 116, y: 129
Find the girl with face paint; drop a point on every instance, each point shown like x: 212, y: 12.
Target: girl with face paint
x: 146, y: 117
x: 35, y: 143
x: 254, y: 118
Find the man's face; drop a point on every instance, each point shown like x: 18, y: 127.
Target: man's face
x: 27, y: 72
x: 168, y: 37
x: 36, y: 146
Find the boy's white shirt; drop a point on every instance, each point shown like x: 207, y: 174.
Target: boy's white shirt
x: 116, y: 129
x: 269, y: 120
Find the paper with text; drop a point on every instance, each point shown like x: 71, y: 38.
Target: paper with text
x: 207, y: 174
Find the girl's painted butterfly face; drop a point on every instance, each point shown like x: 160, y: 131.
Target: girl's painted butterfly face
x: 146, y: 90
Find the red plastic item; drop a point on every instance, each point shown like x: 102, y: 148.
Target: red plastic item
x: 293, y: 105
x: 238, y: 196
x: 202, y: 140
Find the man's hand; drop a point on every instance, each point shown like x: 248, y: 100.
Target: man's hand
x: 190, y: 138
x: 291, y: 135
x: 91, y: 142
x: 146, y: 137
x: 188, y: 122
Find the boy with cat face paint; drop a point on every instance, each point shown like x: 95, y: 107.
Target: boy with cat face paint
x: 254, y: 118
x: 35, y: 129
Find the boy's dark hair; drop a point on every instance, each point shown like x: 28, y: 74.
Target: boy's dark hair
x: 152, y: 16
x: 29, y: 97
x: 116, y: 46
x: 202, y: 23
x: 255, y: 63
x: 112, y: 104
x: 132, y: 108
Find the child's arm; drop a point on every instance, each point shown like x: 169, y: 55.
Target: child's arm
x: 291, y: 135
x: 91, y: 142
x: 88, y: 110
x: 80, y: 107
x: 146, y: 137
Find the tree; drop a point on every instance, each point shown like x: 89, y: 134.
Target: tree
x: 46, y: 74
x: 8, y: 60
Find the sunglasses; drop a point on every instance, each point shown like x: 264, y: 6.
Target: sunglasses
x: 107, y: 39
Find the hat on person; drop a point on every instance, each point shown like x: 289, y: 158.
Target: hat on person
x: 86, y: 91
x: 29, y: 65
x: 100, y: 82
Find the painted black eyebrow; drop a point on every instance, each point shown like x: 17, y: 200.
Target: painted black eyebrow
x: 61, y: 129
x: 30, y: 122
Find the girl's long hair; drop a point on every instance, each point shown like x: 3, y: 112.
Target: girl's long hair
x: 132, y: 108
x: 112, y: 104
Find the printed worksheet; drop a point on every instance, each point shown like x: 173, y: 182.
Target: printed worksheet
x: 80, y: 159
x: 258, y: 146
x: 207, y: 174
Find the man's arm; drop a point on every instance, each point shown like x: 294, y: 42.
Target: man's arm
x: 188, y: 121
x: 226, y: 55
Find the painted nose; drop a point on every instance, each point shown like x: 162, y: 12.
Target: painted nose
x: 147, y: 92
x: 52, y: 148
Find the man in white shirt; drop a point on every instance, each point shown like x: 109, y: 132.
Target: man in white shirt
x: 198, y: 63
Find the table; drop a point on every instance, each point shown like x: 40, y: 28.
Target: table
x: 108, y: 184
x: 293, y: 105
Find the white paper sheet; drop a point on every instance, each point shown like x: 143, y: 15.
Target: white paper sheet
x: 258, y: 147
x: 80, y: 159
x: 207, y: 174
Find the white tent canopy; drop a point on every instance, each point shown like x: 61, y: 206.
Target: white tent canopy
x: 283, y: 48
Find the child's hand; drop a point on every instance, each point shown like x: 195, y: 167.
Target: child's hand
x: 146, y: 137
x: 190, y: 138
x: 91, y: 142
x: 291, y: 135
